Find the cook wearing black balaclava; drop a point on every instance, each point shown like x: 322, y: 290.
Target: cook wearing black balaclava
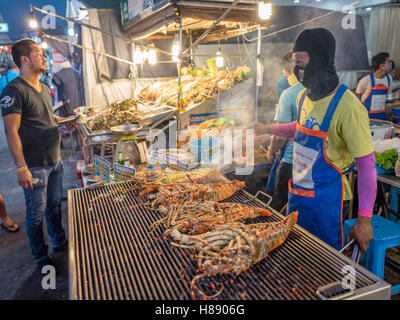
x: 319, y: 75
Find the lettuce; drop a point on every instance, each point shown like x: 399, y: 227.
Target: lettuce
x: 386, y: 160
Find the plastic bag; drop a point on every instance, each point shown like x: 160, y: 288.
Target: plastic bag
x: 381, y: 146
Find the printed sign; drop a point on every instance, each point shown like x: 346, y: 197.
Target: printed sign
x: 123, y: 173
x: 303, y: 162
x: 102, y: 169
x: 161, y: 161
x: 124, y: 11
x: 199, y: 118
x: 135, y: 7
x: 378, y: 102
x: 171, y: 161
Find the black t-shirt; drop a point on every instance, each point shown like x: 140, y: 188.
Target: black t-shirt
x: 38, y: 131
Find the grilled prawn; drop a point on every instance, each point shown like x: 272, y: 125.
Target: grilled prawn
x: 170, y: 194
x: 234, y: 247
x: 201, y: 217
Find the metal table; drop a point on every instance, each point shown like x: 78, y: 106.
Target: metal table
x: 392, y: 181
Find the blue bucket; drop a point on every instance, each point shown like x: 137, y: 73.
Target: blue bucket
x: 201, y: 146
x: 396, y: 112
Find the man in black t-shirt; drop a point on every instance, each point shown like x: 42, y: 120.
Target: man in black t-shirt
x: 34, y: 143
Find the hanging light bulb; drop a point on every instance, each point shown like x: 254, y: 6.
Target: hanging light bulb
x: 138, y: 56
x: 71, y: 32
x: 219, y: 61
x: 44, y: 45
x: 32, y: 20
x: 152, y: 57
x: 264, y: 10
x: 175, y: 48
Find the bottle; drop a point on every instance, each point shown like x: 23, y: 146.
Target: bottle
x: 126, y: 162
x: 120, y: 158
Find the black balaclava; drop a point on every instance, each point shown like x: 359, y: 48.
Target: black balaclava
x: 319, y: 76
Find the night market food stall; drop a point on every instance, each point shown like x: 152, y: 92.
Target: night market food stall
x: 159, y: 226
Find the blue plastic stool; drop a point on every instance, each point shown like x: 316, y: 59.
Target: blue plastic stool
x: 386, y: 235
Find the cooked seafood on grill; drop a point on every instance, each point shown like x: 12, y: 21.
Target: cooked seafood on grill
x: 116, y: 114
x: 163, y: 178
x: 233, y: 247
x: 189, y: 191
x: 200, y: 217
x: 150, y: 178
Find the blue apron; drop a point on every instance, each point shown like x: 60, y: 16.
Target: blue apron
x: 316, y: 189
x: 376, y: 101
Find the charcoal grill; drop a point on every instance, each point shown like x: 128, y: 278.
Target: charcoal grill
x: 113, y: 255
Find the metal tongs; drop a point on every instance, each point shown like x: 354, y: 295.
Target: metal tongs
x: 356, y: 251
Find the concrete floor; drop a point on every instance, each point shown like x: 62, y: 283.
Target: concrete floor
x: 19, y: 278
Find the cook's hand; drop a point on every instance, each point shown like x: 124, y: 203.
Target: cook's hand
x: 362, y: 232
x: 25, y: 179
x: 270, y: 156
x: 71, y: 126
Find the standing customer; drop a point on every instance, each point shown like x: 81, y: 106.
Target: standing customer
x: 34, y: 143
x: 67, y: 81
x: 12, y: 73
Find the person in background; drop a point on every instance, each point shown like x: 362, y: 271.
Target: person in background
x: 395, y: 73
x: 12, y: 73
x: 281, y: 171
x: 330, y: 134
x: 374, y: 88
x: 283, y: 82
x: 67, y: 81
x: 7, y: 223
x: 34, y: 142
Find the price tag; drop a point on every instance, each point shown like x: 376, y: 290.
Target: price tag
x: 102, y: 168
x: 123, y: 173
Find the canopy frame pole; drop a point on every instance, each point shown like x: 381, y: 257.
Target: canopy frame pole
x: 205, y: 33
x: 179, y: 60
x: 260, y: 71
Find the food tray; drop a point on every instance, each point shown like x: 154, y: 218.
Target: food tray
x: 159, y: 113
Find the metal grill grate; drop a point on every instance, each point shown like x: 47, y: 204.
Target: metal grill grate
x: 113, y: 255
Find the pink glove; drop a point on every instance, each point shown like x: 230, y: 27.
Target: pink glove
x: 367, y: 185
x: 285, y: 129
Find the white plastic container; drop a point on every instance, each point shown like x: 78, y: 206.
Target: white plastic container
x: 381, y: 129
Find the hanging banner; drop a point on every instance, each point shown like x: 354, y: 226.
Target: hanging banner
x: 123, y: 173
x: 103, y: 168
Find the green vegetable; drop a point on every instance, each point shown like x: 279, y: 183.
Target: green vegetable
x: 386, y: 160
x: 223, y: 122
x: 228, y: 122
